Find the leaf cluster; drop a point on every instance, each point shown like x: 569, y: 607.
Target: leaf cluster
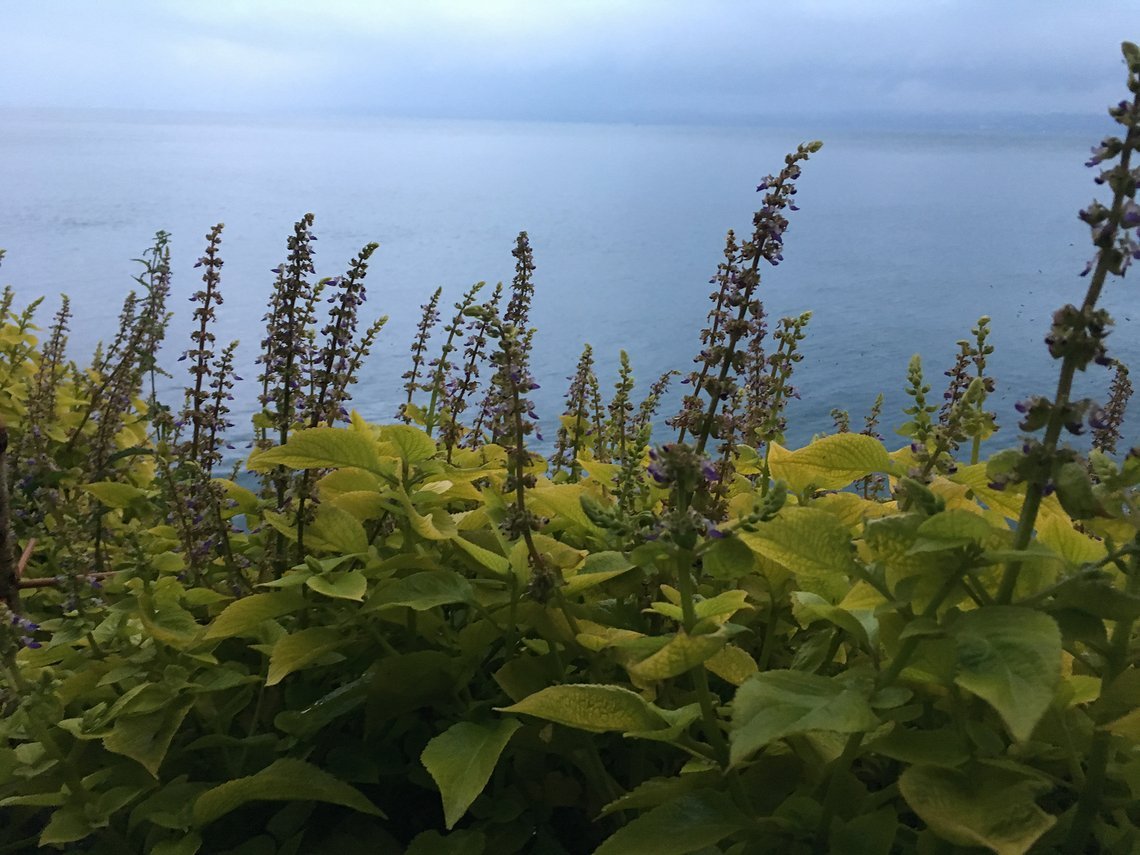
x: 423, y: 637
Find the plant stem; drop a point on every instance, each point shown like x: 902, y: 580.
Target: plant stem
x: 1089, y: 801
x: 709, y: 720
x: 886, y: 678
x: 1035, y: 488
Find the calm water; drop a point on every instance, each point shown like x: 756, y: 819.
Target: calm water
x: 903, y: 240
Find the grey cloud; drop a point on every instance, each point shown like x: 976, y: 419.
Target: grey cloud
x: 640, y: 60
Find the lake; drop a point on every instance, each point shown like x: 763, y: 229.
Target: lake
x: 905, y: 236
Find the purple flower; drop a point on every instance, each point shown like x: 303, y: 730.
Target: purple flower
x: 1130, y: 214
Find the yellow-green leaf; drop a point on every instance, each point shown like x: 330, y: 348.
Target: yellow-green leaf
x: 323, y: 448
x: 681, y: 654
x: 596, y: 708
x: 955, y: 527
x: 285, y: 780
x: 987, y: 806
x: 850, y: 509
x: 774, y: 704
x: 461, y: 760
x: 563, y: 502
x: 1127, y: 726
x: 422, y: 591
x: 691, y: 822
x: 1011, y: 658
x: 113, y: 494
x: 300, y: 650
x: 830, y: 462
x: 811, y: 543
x: 408, y: 443
x: 437, y: 525
x: 732, y: 664
x: 603, y: 473
x: 146, y: 738
x: 362, y: 504
x: 497, y: 564
x: 246, y: 499
x: 336, y: 530
x: 342, y: 586
x: 1076, y: 548
x: 341, y: 481
x: 809, y: 608
x: 247, y: 614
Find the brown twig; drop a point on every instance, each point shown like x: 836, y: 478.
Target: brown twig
x: 22, y: 564
x: 52, y: 581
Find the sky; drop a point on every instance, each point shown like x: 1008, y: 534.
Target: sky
x: 714, y: 61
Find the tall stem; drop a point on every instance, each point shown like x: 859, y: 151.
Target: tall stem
x: 1035, y: 488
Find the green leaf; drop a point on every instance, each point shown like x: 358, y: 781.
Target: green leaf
x: 113, y: 494
x: 462, y: 842
x: 829, y: 463
x: 943, y: 747
x: 323, y: 448
x: 1074, y: 490
x: 336, y: 530
x: 563, y: 502
x: 811, y: 543
x: 988, y: 806
x: 728, y: 558
x: 1074, y: 546
x: 286, y: 780
x: 171, y: 806
x: 1096, y: 597
x: 461, y: 760
x: 1127, y: 726
x: 67, y: 825
x: 185, y: 844
x: 497, y: 564
x: 596, y: 708
x: 408, y: 443
x: 247, y: 614
x: 809, y: 608
x: 866, y: 834
x: 775, y: 704
x: 681, y: 654
x: 690, y: 822
x: 163, y: 617
x: 597, y: 568
x: 352, y: 585
x: 1011, y: 658
x: 723, y: 605
x: 423, y: 591
x: 146, y: 738
x: 245, y: 499
x: 436, y: 525
x: 656, y: 791
x: 339, y: 702
x: 732, y: 664
x: 955, y: 527
x: 299, y: 650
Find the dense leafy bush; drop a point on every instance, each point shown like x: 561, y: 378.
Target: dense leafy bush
x: 423, y: 637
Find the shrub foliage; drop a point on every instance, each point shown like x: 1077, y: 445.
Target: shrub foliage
x: 424, y: 637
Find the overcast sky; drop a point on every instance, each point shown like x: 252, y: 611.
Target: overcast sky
x: 627, y: 60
